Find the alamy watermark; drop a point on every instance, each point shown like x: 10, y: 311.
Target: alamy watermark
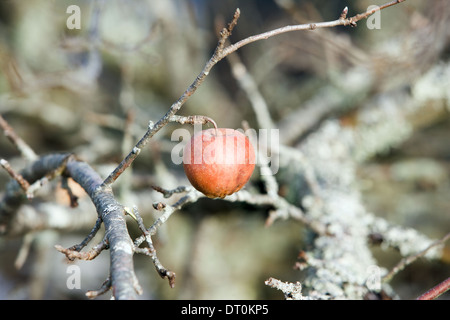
x: 74, y: 20
x: 373, y: 281
x: 74, y: 277
x: 374, y: 20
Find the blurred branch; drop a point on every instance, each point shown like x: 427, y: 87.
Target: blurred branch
x: 333, y: 151
x: 436, y: 291
x: 13, y: 197
x: 292, y: 291
x: 248, y: 85
x: 16, y: 176
x: 377, y: 79
x: 111, y: 213
x: 21, y: 145
x: 410, y: 259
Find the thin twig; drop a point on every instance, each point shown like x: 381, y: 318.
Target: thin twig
x: 89, y: 237
x: 73, y: 254
x: 191, y: 196
x: 196, y: 119
x: 23, y: 183
x: 342, y: 21
x: 141, y: 226
x: 249, y: 86
x: 151, y: 252
x: 374, y: 9
x: 106, y: 286
x: 168, y: 193
x: 163, y: 272
x: 410, y: 259
x: 221, y: 52
x: 436, y: 291
x: 21, y: 145
x: 72, y: 197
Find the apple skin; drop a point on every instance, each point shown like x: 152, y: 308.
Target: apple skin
x: 218, y: 162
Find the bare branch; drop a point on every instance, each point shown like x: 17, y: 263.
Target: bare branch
x: 73, y: 254
x: 109, y: 210
x: 342, y: 21
x: 21, y: 145
x: 13, y: 197
x: 248, y: 85
x: 122, y: 274
x: 221, y: 52
x: 436, y: 291
x: 193, y: 120
x: 122, y: 167
x: 169, y: 193
x: 410, y: 259
x: 353, y: 20
x: 16, y: 176
x: 106, y: 286
x: 150, y: 251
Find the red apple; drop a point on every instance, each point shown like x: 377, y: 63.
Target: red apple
x: 219, y: 162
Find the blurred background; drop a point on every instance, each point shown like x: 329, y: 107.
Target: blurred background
x: 92, y: 91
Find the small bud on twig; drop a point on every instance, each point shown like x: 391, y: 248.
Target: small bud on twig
x: 344, y: 13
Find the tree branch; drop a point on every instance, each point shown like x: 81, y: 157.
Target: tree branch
x: 219, y: 53
x: 122, y: 278
x: 109, y: 210
x: 14, y: 196
x: 21, y: 145
x: 436, y: 291
x: 410, y: 259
